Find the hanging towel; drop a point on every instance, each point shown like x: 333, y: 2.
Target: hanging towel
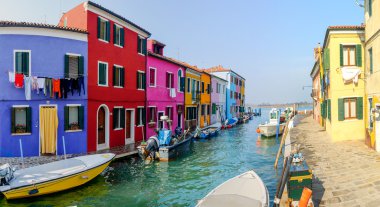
x: 35, y: 84
x: 11, y: 77
x: 19, y: 80
x: 41, y: 85
x: 56, y: 88
x: 351, y: 74
x: 28, y: 87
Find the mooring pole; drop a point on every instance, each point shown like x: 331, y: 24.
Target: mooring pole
x: 64, y: 146
x: 278, y: 123
x: 22, y: 154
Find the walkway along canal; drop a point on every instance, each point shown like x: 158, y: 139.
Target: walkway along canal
x: 182, y: 182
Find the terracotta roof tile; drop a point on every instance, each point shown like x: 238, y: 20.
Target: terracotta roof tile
x: 350, y: 27
x: 175, y: 61
x: 39, y: 25
x: 218, y: 68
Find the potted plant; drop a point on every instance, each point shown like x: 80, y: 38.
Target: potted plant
x: 74, y: 126
x: 20, y: 128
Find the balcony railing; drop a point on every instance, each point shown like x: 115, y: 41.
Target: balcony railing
x: 196, y: 96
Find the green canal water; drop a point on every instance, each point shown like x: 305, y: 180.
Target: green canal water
x: 182, y: 182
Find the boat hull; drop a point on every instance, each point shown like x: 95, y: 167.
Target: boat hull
x: 270, y: 130
x: 57, y: 185
x: 171, y: 152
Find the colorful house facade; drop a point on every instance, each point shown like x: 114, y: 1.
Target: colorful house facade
x: 117, y: 65
x: 372, y: 51
x: 205, y: 102
x: 218, y: 99
x: 315, y: 94
x: 43, y: 95
x: 192, y: 97
x: 165, y: 89
x: 343, y: 86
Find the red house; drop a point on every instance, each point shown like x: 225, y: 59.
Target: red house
x: 116, y: 75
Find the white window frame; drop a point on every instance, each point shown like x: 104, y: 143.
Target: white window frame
x: 179, y: 81
x: 356, y: 53
x: 74, y: 105
x: 119, y: 27
x: 103, y: 85
x: 120, y: 112
x: 158, y: 119
x: 142, y: 47
x: 142, y: 88
x: 105, y: 35
x: 119, y: 67
x: 154, y: 121
x: 140, y: 116
x: 30, y: 60
x: 172, y: 111
x: 155, y: 77
x: 171, y: 85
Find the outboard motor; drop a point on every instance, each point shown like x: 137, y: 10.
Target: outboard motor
x: 178, y: 131
x: 152, y: 146
x: 6, y: 174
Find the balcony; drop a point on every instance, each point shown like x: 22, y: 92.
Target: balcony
x: 196, y: 97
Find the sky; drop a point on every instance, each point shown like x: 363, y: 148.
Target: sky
x: 269, y: 43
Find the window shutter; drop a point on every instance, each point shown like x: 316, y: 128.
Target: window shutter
x: 340, y: 109
x: 67, y: 59
x: 144, y: 116
x: 29, y: 119
x: 138, y: 80
x: 13, y: 118
x: 359, y: 108
x: 172, y: 80
x: 81, y: 66
x: 122, y: 118
x: 144, y: 46
x: 114, y: 33
x: 122, y: 36
x: 167, y: 80
x: 213, y: 108
x: 326, y: 59
x: 122, y: 74
x: 25, y: 68
x: 138, y: 44
x: 143, y: 80
x: 182, y: 86
x: 359, y: 55
x: 81, y: 117
x: 66, y: 118
x: 115, y: 110
x: 329, y: 109
x: 99, y: 22
x: 108, y: 31
x: 341, y: 55
x: 114, y: 75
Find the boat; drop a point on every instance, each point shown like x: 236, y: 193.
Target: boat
x: 207, y: 132
x: 243, y: 190
x: 269, y: 129
x: 52, y: 177
x: 229, y: 123
x: 246, y: 119
x: 214, y: 131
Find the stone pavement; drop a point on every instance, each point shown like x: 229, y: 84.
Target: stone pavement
x: 121, y: 152
x: 345, y: 173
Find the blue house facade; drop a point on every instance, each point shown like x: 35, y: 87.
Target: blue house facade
x: 43, y: 99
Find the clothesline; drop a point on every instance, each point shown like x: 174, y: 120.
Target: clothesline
x: 52, y: 75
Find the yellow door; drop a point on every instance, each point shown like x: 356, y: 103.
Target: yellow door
x: 48, y: 129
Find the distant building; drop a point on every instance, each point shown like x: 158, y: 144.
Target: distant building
x: 316, y: 92
x: 218, y: 99
x: 192, y: 97
x: 205, y: 99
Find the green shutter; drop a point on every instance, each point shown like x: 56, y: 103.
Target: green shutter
x: 25, y: 63
x: 67, y: 59
x: 144, y: 46
x: 18, y: 61
x: 341, y: 109
x: 329, y: 109
x: 13, y: 120
x: 114, y: 33
x: 122, y: 114
x: 370, y: 8
x: 143, y: 80
x: 326, y: 59
x: 359, y: 55
x: 138, y: 44
x: 29, y: 119
x: 81, y: 117
x: 115, y: 110
x: 341, y: 55
x: 114, y: 75
x: 81, y: 66
x: 102, y: 74
x: 144, y: 116
x: 122, y: 74
x: 122, y: 36
x: 359, y: 108
x: 213, y: 108
x: 138, y: 80
x: 182, y: 86
x: 108, y: 31
x: 99, y: 22
x: 66, y: 111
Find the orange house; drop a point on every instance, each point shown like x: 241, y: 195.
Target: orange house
x: 205, y: 99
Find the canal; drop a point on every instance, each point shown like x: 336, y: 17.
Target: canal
x: 182, y: 182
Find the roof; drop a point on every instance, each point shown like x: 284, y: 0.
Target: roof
x: 40, y: 25
x: 158, y: 43
x: 315, y: 69
x: 342, y: 28
x: 172, y: 60
x: 220, y: 68
x: 118, y: 16
x: 217, y: 77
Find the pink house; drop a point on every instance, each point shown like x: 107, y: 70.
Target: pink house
x: 165, y: 87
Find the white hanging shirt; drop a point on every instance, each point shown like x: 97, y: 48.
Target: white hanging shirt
x: 11, y: 77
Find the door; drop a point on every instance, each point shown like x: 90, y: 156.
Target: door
x: 101, y: 126
x: 129, y: 126
x: 377, y: 128
x: 48, y: 130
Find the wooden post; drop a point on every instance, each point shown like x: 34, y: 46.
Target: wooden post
x: 286, y: 130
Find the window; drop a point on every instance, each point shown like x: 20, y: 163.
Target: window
x: 103, y: 29
x: 74, y: 66
x: 370, y: 120
x: 118, y: 118
x: 118, y: 35
x: 231, y: 94
x: 191, y: 113
x: 118, y: 76
x: 232, y: 79
x: 102, y: 74
x: 22, y: 62
x: 208, y: 88
x: 224, y: 88
x: 152, y: 114
x: 203, y: 109
x: 169, y: 112
x: 21, y: 119
x: 208, y: 109
x: 349, y: 56
x: 193, y: 89
x: 370, y: 61
x: 169, y: 80
x: 152, y: 77
x: 140, y: 80
x: 203, y: 87
x: 188, y: 85
x: 140, y: 116
x: 141, y: 45
x: 74, y: 117
x: 181, y: 81
x: 349, y: 108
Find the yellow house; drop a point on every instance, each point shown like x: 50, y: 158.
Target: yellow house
x: 372, y: 71
x: 342, y: 83
x: 205, y: 99
x: 192, y: 97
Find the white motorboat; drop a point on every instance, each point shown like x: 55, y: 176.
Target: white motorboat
x: 243, y: 190
x: 269, y: 129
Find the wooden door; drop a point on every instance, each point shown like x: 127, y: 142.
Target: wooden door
x: 101, y: 126
x: 128, y: 122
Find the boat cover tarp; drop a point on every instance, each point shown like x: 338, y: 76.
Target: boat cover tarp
x: 164, y: 136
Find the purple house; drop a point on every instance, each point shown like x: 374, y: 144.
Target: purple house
x: 165, y: 89
x: 43, y: 95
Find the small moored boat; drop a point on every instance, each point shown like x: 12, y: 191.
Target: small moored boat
x: 243, y: 190
x: 270, y: 129
x: 229, y: 123
x: 52, y: 177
